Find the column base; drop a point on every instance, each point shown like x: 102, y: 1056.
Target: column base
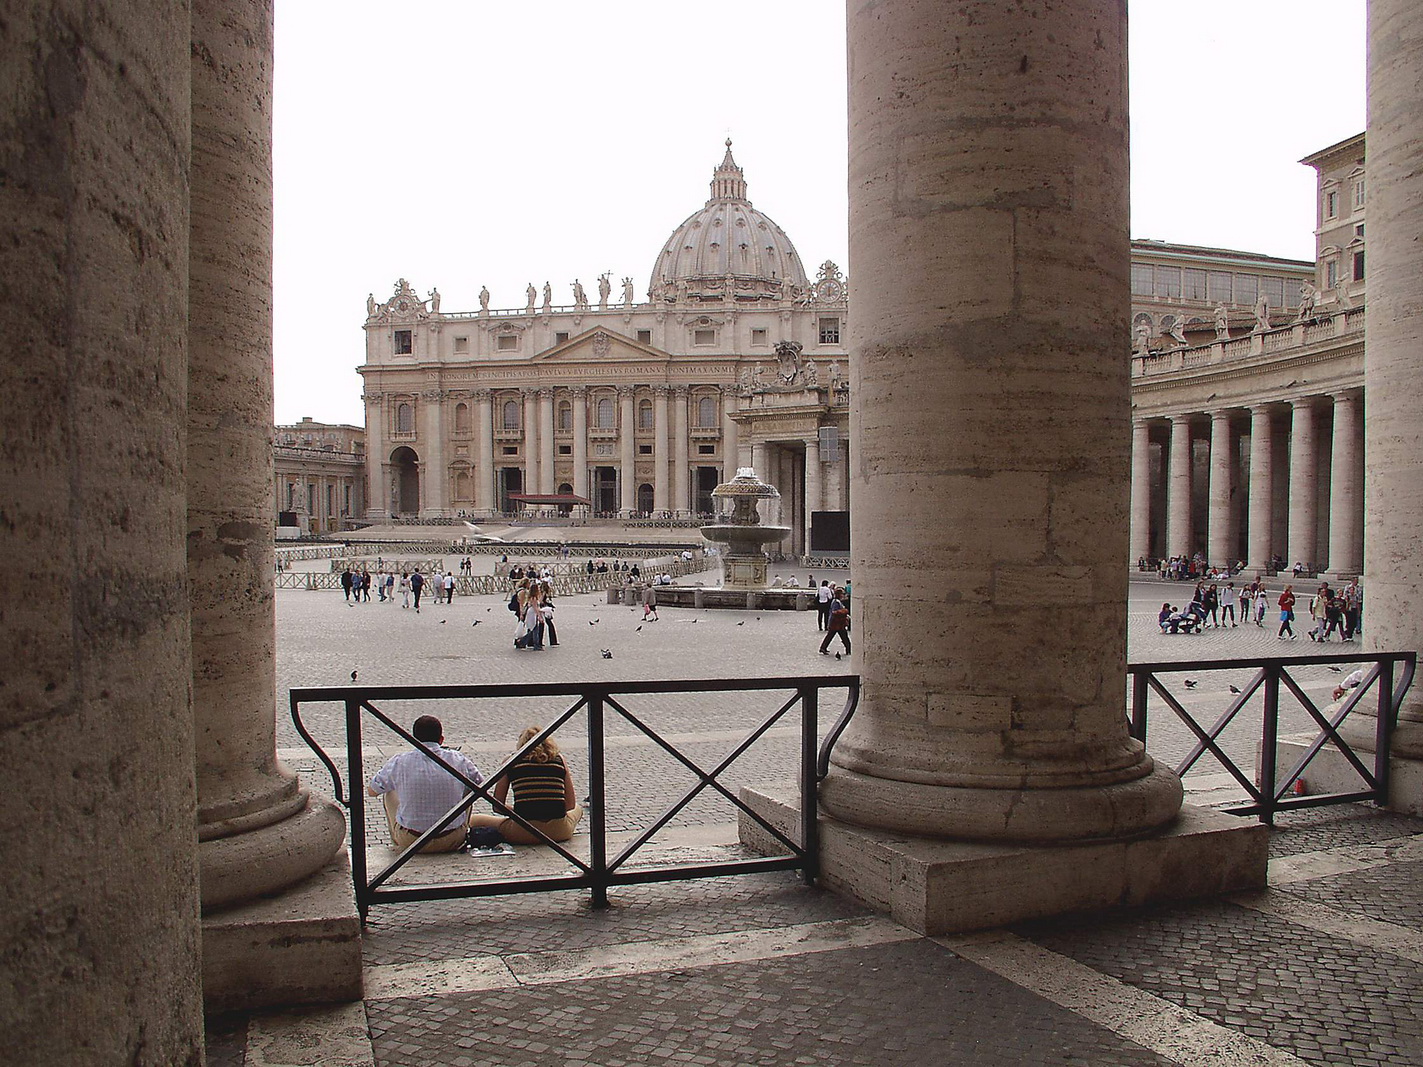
x: 1330, y: 772
x: 302, y: 947
x: 266, y: 860
x: 941, y: 887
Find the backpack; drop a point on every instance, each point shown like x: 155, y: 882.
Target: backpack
x: 514, y: 602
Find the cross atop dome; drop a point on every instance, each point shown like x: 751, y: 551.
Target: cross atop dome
x: 727, y: 182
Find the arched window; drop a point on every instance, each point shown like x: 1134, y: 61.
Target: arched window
x: 706, y: 412
x: 461, y: 418
x: 644, y: 415
x: 405, y: 419
x: 565, y: 415
x: 511, y: 415
x: 605, y: 419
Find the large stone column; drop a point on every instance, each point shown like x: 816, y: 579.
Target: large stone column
x: 991, y: 426
x: 627, y: 458
x: 812, y: 488
x: 730, y: 435
x: 1140, y: 491
x: 436, y: 483
x: 580, y: 442
x: 98, y: 885
x: 377, y: 501
x: 1303, y: 488
x: 531, y: 442
x: 1219, y: 545
x: 484, y: 499
x: 1393, y: 356
x: 1261, y: 489
x: 547, y: 483
x: 1344, y: 561
x: 661, y: 459
x: 1178, y: 489
x: 681, y: 468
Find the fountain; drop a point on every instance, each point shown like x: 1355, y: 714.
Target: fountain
x: 741, y: 533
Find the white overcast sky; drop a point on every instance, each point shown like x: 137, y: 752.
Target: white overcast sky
x: 460, y: 144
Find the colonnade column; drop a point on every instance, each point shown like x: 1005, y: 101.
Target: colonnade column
x: 730, y: 437
x: 627, y: 476
x: 1178, y: 489
x: 1393, y: 356
x: 982, y: 715
x: 547, y: 484
x: 1261, y: 489
x: 659, y: 449
x: 681, y: 484
x: 435, y: 485
x: 1140, y: 491
x: 812, y: 484
x: 580, y: 442
x: 377, y: 506
x: 484, y: 451
x: 531, y: 443
x: 1344, y: 552
x: 1219, y: 544
x: 1303, y: 475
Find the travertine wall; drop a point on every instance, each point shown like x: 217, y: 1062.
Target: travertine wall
x: 98, y: 885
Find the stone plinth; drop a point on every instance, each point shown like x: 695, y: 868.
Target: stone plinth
x: 1330, y: 772
x: 303, y: 947
x: 941, y: 887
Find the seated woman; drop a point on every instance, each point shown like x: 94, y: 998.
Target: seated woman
x: 543, y: 794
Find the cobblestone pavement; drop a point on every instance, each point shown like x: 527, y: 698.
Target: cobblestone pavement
x: 1321, y: 968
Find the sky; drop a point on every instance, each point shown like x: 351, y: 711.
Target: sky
x: 458, y: 144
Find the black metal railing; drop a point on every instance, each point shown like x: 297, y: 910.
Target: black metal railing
x: 596, y: 700
x: 1387, y: 675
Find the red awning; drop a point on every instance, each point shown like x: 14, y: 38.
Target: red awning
x: 548, y: 498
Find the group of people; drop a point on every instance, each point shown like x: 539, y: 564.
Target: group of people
x: 356, y: 585
x: 532, y: 604
x: 418, y: 793
x: 1332, y: 611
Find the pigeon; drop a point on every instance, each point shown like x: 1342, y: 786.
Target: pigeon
x: 638, y: 630
x: 607, y: 653
x: 837, y: 655
x: 741, y: 623
x: 1235, y: 689
x: 476, y: 622
x: 1337, y: 670
x: 442, y: 622
x: 694, y: 622
x: 353, y: 676
x: 1190, y: 683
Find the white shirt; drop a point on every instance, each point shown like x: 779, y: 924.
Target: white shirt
x: 823, y: 594
x: 1227, y: 596
x: 424, y: 789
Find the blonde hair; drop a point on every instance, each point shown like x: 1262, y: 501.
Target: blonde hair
x: 545, y: 751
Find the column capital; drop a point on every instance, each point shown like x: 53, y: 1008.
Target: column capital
x: 579, y: 391
x: 1221, y: 414
x: 625, y: 392
x: 680, y: 392
x: 1300, y: 402
x: 546, y: 393
x: 1187, y: 417
x: 484, y: 396
x: 661, y: 389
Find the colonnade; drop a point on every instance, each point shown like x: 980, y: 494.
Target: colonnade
x: 1271, y: 480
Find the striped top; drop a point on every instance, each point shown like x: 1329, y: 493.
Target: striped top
x: 538, y: 789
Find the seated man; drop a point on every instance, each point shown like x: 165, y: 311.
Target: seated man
x: 417, y: 791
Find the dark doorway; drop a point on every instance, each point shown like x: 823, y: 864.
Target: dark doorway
x: 708, y: 478
x: 644, y: 499
x: 605, y: 490
x: 564, y: 489
x: 407, y: 481
x: 511, y: 480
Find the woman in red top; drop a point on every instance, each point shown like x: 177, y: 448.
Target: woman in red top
x: 1287, y: 612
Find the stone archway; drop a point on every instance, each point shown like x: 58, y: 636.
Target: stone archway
x: 405, y: 495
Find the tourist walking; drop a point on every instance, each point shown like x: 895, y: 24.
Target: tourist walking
x: 649, y: 602
x: 1287, y: 612
x: 839, y: 624
x: 417, y: 583
x: 1227, y: 603
x: 823, y: 596
x: 346, y: 580
x: 404, y: 590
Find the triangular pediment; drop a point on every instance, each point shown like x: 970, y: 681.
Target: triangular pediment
x: 601, y: 345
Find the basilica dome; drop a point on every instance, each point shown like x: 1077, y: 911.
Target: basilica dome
x: 727, y: 251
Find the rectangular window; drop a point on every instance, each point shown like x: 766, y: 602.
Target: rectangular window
x: 565, y: 450
x: 1359, y: 230
x: 1193, y: 284
x: 703, y: 337
x: 830, y: 331
x: 1331, y: 274
x: 508, y: 342
x: 758, y: 337
x: 1218, y: 287
x: 644, y: 450
x: 644, y: 337
x: 1168, y: 282
x: 1141, y: 279
x: 1359, y: 193
x: 1247, y: 286
x: 560, y: 336
x: 511, y: 450
x: 461, y: 344
x: 1359, y: 265
x: 346, y: 507
x: 404, y: 344
x: 1274, y: 289
x: 706, y: 450
x: 1331, y: 205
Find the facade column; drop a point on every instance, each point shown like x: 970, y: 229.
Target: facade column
x: 547, y: 483
x: 1344, y: 561
x: 1219, y: 544
x: 1178, y: 492
x: 1303, y: 485
x: 730, y: 437
x: 531, y: 442
x: 99, y: 880
x: 812, y: 486
x: 981, y: 715
x: 627, y: 448
x: 681, y: 476
x: 484, y: 499
x: 1261, y: 489
x: 662, y: 460
x: 580, y: 443
x: 435, y: 485
x: 378, y: 502
x: 1140, y: 491
x: 758, y: 464
x: 1393, y: 357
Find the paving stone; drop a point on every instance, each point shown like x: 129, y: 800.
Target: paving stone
x: 824, y: 1008
x: 226, y: 1037
x: 1318, y: 829
x: 1391, y: 894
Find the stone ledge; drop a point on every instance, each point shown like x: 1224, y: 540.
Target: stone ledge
x: 1330, y: 772
x: 301, y: 947
x: 940, y: 887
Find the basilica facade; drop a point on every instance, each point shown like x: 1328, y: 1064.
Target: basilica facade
x: 609, y: 407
